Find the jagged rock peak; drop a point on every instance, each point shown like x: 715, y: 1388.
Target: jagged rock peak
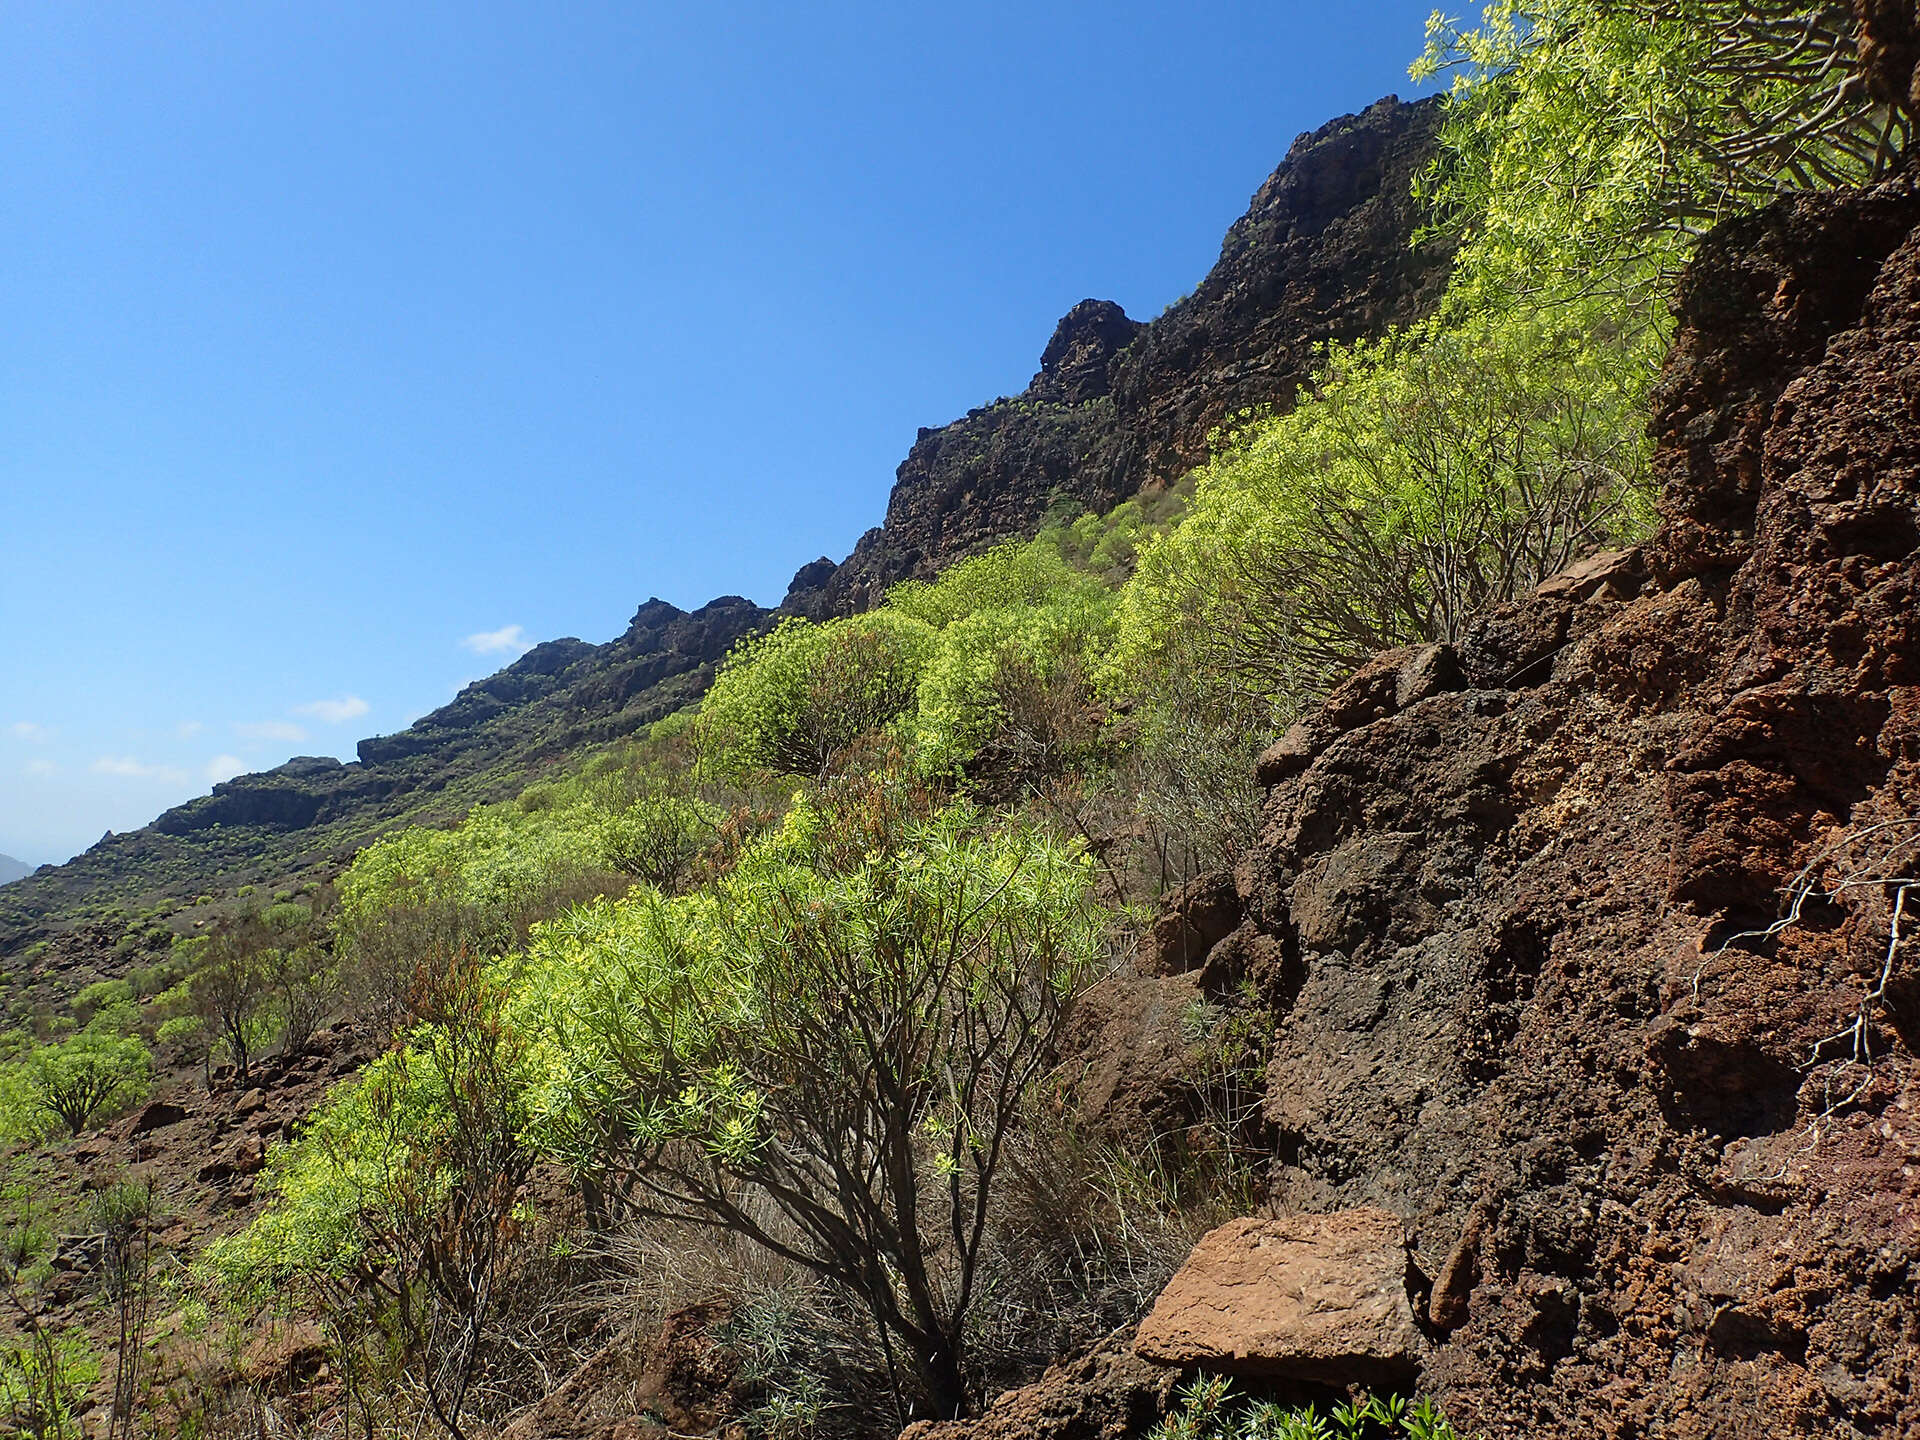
x: 810, y: 576
x: 1324, y: 253
x: 1073, y: 369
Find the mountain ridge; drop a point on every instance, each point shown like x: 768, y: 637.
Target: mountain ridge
x: 1117, y: 407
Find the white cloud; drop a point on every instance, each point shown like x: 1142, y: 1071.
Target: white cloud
x: 187, y: 729
x: 28, y: 731
x: 42, y: 767
x: 128, y: 768
x: 271, y: 730
x: 507, y: 639
x: 334, y: 712
x: 225, y: 767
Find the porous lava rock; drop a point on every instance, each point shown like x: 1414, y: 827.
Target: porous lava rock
x: 1662, y: 1157
x: 1321, y: 1298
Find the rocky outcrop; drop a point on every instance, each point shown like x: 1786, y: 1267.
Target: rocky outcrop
x: 1323, y: 253
x: 1663, y: 1166
x: 679, y: 1380
x: 1321, y: 1298
x: 1075, y: 366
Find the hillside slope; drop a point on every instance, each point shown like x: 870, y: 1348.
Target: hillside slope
x: 1323, y: 252
x: 1588, y: 944
x: 485, y: 745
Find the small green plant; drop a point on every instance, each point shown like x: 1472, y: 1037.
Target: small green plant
x: 45, y: 1373
x: 1209, y: 1409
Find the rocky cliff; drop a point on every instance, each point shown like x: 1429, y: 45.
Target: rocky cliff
x: 1589, y: 945
x: 1323, y: 253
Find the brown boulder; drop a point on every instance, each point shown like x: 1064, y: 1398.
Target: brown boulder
x: 1309, y: 1297
x: 246, y: 1156
x: 1126, y: 1055
x: 158, y: 1115
x: 1192, y: 920
x: 1107, y: 1393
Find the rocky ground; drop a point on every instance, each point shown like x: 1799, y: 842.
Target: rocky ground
x: 1590, y: 977
x: 1585, y: 941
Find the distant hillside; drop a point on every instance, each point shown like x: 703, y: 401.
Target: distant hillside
x: 497, y: 734
x: 12, y: 869
x: 1323, y: 253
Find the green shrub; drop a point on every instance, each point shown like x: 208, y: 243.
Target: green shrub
x: 185, y: 1033
x: 1007, y: 577
x: 99, y: 996
x: 24, y: 1120
x: 1210, y: 1410
x: 45, y: 1376
x: 93, y: 1072
x: 1586, y: 141
x: 1019, y: 629
x: 852, y: 1050
x: 657, y: 837
x: 652, y: 1032
x: 791, y: 700
x: 1432, y: 474
x: 483, y: 882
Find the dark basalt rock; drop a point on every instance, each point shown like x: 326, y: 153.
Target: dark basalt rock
x: 1073, y: 367
x: 1510, y: 873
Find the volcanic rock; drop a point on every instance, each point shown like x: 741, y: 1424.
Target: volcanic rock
x: 1309, y: 1297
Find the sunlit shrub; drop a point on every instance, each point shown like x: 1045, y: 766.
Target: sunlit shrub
x: 1432, y: 474
x: 790, y: 700
x: 94, y: 1072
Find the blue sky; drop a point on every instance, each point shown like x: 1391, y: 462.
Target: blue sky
x: 348, y: 347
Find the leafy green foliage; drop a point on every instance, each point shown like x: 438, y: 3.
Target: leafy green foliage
x: 1434, y: 473
x: 657, y: 838
x: 772, y: 1035
x: 1585, y: 140
x: 99, y: 996
x: 793, y: 699
x: 94, y: 1071
x: 1012, y: 619
x: 45, y: 1373
x: 44, y: 1379
x: 1210, y: 1410
x: 851, y: 1048
x: 494, y: 868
